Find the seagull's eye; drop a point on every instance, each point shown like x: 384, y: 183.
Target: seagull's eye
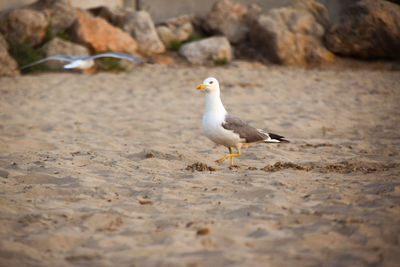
x: 211, y: 82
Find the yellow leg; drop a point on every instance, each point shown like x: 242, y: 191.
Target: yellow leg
x: 230, y: 151
x: 230, y: 155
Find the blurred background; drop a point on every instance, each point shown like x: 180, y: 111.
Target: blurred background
x: 161, y: 9
x: 306, y: 33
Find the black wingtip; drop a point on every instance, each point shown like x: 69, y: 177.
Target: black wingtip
x: 278, y: 137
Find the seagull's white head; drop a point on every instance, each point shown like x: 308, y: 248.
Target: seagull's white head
x: 209, y: 85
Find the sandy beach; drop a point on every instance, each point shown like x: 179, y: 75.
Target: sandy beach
x: 113, y: 169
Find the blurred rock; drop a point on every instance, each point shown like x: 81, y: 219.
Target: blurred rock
x: 3, y: 42
x: 209, y: 50
x: 367, y: 29
x: 8, y: 66
x: 175, y: 29
x: 162, y: 59
x: 228, y: 19
x: 318, y: 10
x: 116, y: 18
x: 59, y: 13
x: 100, y: 36
x: 197, y: 23
x: 292, y: 35
x: 140, y: 25
x: 58, y: 46
x: 24, y: 26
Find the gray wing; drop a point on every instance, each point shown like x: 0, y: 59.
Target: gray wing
x: 114, y: 54
x: 243, y: 129
x: 58, y: 57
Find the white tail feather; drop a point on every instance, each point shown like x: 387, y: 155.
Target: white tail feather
x: 269, y: 140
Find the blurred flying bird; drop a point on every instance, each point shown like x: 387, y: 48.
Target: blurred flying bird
x: 84, y: 62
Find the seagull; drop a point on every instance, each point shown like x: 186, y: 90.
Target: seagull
x: 84, y: 62
x: 227, y: 130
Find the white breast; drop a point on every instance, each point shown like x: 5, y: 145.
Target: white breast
x: 213, y: 118
x: 212, y: 126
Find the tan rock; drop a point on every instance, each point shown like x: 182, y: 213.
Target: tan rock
x: 3, y: 42
x: 207, y: 51
x: 101, y: 36
x: 318, y: 10
x: 292, y: 35
x: 175, y: 29
x: 228, y: 19
x: 25, y: 26
x: 140, y: 25
x: 59, y: 13
x: 8, y: 65
x: 368, y: 29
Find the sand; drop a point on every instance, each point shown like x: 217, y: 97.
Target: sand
x: 113, y: 169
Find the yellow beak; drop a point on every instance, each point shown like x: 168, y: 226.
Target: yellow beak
x: 201, y: 86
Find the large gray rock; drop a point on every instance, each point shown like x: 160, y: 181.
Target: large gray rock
x: 206, y: 51
x: 140, y: 25
x: 292, y: 35
x: 8, y: 66
x: 59, y: 13
x: 367, y: 29
x: 228, y: 19
x: 175, y: 29
x: 24, y: 25
x: 58, y: 46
